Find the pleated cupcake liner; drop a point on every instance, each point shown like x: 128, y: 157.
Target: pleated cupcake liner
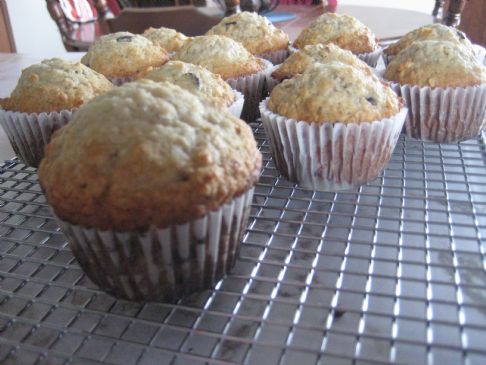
x: 371, y: 58
x: 253, y: 87
x: 162, y: 264
x: 237, y: 107
x: 443, y: 115
x: 276, y: 57
x: 331, y: 156
x: 270, y: 81
x: 29, y: 133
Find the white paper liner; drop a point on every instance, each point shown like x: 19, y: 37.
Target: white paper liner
x: 162, y: 264
x: 29, y: 133
x: 330, y: 156
x: 276, y: 57
x: 237, y: 107
x: 443, y: 115
x: 254, y: 89
x: 371, y: 58
x: 292, y: 50
x: 270, y: 81
x: 119, y: 81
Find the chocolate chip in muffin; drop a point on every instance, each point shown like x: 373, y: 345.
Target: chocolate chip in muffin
x: 194, y: 79
x: 125, y: 38
x: 460, y: 34
x: 229, y: 23
x: 371, y: 100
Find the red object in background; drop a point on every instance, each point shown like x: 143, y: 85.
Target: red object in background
x: 83, y: 11
x: 331, y: 5
x: 114, y: 7
x: 78, y: 11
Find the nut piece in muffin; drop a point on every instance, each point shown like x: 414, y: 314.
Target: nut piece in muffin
x: 299, y: 61
x: 334, y: 92
x: 220, y: 55
x: 55, y: 85
x: 169, y: 39
x: 161, y: 156
x: 436, y: 64
x: 123, y: 54
x: 431, y: 32
x: 255, y: 32
x: 343, y: 30
x: 195, y: 79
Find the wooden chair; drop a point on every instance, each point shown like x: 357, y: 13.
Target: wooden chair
x: 78, y: 36
x: 189, y: 20
x: 449, y: 11
x: 193, y: 19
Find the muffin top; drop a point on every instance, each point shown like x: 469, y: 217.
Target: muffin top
x: 254, y: 31
x: 195, y: 79
x: 436, y: 64
x: 169, y: 39
x: 144, y: 154
x: 431, y: 32
x: 334, y: 92
x: 123, y: 54
x: 299, y: 61
x: 345, y: 31
x: 55, y: 85
x: 221, y: 55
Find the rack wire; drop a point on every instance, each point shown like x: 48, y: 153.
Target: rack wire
x: 394, y: 271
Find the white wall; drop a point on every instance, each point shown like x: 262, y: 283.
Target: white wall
x: 33, y: 29
x: 424, y: 6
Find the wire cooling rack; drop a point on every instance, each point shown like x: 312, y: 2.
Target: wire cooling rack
x: 392, y: 272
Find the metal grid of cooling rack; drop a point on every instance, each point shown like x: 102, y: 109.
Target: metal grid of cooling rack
x: 392, y: 272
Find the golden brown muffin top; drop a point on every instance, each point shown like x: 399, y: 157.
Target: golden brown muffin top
x: 345, y: 31
x: 169, y: 39
x: 123, y: 54
x: 254, y: 31
x: 144, y: 154
x: 334, y: 92
x: 299, y: 61
x: 436, y: 64
x: 431, y: 32
x: 195, y: 79
x: 220, y: 55
x: 55, y: 85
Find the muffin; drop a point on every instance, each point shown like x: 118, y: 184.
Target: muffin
x: 229, y: 59
x: 259, y: 36
x: 153, y: 200
x: 344, y: 31
x: 299, y: 61
x: 122, y: 56
x: 201, y: 82
x: 333, y: 127
x: 167, y: 38
x: 432, y: 32
x: 43, y: 101
x: 443, y: 84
